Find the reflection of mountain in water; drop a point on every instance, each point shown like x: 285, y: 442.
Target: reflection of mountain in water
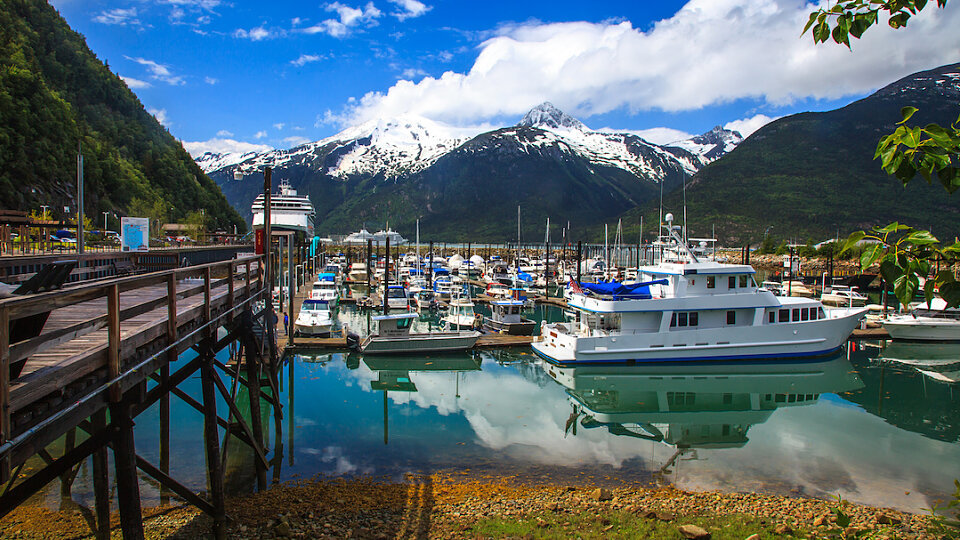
x: 899, y: 391
x: 703, y: 406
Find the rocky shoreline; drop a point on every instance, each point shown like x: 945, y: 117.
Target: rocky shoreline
x: 439, y: 506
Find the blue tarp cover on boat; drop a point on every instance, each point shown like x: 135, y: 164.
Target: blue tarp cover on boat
x: 440, y: 271
x: 523, y: 276
x: 314, y: 242
x: 638, y: 291
x: 324, y: 276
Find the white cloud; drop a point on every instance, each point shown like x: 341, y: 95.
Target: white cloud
x: 161, y: 116
x: 135, y: 84
x: 260, y: 134
x: 210, y: 80
x: 348, y: 18
x: 158, y: 71
x: 657, y: 135
x: 710, y: 52
x: 295, y: 141
x: 118, y: 16
x: 746, y: 126
x: 206, y: 5
x: 224, y: 133
x: 410, y: 9
x: 223, y: 146
x: 279, y: 125
x: 412, y: 73
x: 305, y: 59
x: 255, y: 34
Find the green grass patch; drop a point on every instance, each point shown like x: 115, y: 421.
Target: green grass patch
x: 620, y: 524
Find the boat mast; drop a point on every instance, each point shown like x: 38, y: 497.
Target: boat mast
x: 517, y: 260
x: 418, y: 245
x: 606, y: 251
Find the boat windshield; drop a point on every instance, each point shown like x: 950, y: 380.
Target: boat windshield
x: 315, y: 305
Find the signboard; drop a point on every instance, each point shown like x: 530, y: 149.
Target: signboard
x: 258, y: 236
x: 134, y: 234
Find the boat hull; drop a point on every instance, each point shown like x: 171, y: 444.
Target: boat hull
x: 921, y: 329
x: 801, y: 340
x: 420, y: 343
x: 319, y: 330
x: 525, y: 328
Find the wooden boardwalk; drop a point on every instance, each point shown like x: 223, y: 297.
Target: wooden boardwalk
x: 110, y: 344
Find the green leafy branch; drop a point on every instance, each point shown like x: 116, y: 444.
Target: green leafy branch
x: 904, y: 255
x: 941, y: 523
x: 854, y: 17
x: 929, y: 150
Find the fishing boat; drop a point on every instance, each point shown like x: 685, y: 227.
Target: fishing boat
x: 692, y: 310
x: 506, y: 317
x: 498, y: 290
x: 843, y: 295
x: 394, y: 337
x: 444, y: 288
x: 425, y: 300
x: 315, y: 319
x: 928, y: 322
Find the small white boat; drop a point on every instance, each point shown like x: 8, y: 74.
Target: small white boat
x: 325, y: 288
x: 444, y: 288
x: 460, y: 315
x: 394, y: 337
x: 506, y: 317
x: 315, y: 319
x: 843, y: 296
x: 425, y: 299
x: 358, y: 272
x: 933, y: 322
x: 397, y: 297
x: 788, y: 288
x: 498, y: 290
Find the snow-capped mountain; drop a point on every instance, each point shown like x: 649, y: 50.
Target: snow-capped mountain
x: 439, y: 170
x: 408, y: 144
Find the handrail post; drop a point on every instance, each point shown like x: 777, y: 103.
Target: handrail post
x: 230, y: 290
x: 113, y: 339
x: 4, y: 390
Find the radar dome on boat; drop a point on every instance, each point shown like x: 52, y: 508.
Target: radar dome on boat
x: 668, y: 218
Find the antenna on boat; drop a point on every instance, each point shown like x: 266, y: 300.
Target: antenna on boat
x: 660, y: 230
x: 684, y: 210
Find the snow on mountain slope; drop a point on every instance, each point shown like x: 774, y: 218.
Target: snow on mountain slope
x: 409, y: 144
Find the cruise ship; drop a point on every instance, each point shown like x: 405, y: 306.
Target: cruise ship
x: 685, y: 309
x: 288, y: 211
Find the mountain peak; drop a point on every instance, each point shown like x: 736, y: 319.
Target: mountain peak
x: 547, y: 116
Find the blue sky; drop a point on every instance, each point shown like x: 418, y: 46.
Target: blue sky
x: 235, y: 75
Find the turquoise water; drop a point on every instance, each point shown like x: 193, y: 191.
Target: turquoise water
x: 865, y: 424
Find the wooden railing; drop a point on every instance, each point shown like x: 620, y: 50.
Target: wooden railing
x: 129, y: 358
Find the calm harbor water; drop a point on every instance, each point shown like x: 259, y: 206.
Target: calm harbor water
x: 867, y: 424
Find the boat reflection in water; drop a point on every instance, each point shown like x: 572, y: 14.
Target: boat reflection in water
x: 393, y: 374
x: 937, y: 361
x: 690, y: 407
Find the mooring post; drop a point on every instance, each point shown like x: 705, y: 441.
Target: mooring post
x: 386, y: 277
x: 430, y: 268
x: 369, y: 267
x: 579, y: 258
x: 165, y: 376
x: 66, y: 479
x: 101, y: 479
x: 291, y: 294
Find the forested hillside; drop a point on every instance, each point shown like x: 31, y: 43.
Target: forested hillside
x: 56, y: 94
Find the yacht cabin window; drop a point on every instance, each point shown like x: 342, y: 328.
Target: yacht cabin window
x: 731, y: 317
x: 743, y: 281
x: 796, y: 314
x: 711, y: 282
x: 784, y: 315
x: 684, y: 318
x: 731, y: 282
x: 772, y: 317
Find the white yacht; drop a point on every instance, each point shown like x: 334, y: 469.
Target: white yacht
x: 685, y: 310
x: 928, y: 322
x: 397, y: 297
x: 288, y: 211
x: 315, y: 319
x: 325, y: 289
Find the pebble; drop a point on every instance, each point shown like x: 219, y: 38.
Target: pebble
x: 694, y: 532
x: 601, y: 494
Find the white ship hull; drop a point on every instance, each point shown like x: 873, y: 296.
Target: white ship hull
x: 420, y: 343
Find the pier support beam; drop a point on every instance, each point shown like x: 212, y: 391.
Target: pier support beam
x: 101, y: 480
x: 125, y: 463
